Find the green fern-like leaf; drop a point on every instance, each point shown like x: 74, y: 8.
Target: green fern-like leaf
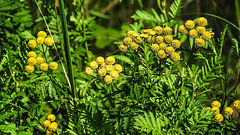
x: 6, y: 116
x: 124, y: 59
x: 175, y: 8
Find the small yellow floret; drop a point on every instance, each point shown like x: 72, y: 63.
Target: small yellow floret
x: 155, y: 47
x: 218, y: 118
x: 206, y: 35
x: 108, y: 79
x: 150, y: 39
x: 109, y: 68
x: 208, y: 108
x: 159, y: 39
x: 216, y: 104
x: 144, y: 35
x: 93, y: 65
x: 123, y: 48
x: 48, y: 41
x: 110, y: 60
x: 158, y: 30
x: 193, y: 33
x: 169, y: 50
x: 100, y: 60
x: 189, y: 24
x: 53, y: 65
x: 88, y: 71
x: 138, y: 40
x: 40, y: 40
x: 228, y: 111
x: 42, y: 34
x: 51, y: 117
x: 114, y: 74
x: 161, y: 54
x: 32, y: 54
x: 201, y: 21
x: 236, y: 104
x: 215, y: 109
x: 118, y: 68
x: 31, y: 61
x: 162, y: 46
x: 39, y: 60
x: 46, y: 123
x: 168, y: 39
x: 167, y: 31
x: 199, y: 42
x: 182, y: 29
x: 127, y: 40
x: 200, y: 29
x: 134, y: 46
x: 32, y: 44
x: 53, y: 126
x: 49, y: 133
x: 102, y: 72
x: 175, y: 57
x: 29, y: 68
x: 176, y: 43
x: 131, y: 33
x: 44, y: 67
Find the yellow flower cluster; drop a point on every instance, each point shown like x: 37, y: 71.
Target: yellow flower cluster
x: 106, y: 68
x: 41, y: 39
x: 215, y: 108
x: 50, y: 125
x: 196, y: 31
x: 160, y: 40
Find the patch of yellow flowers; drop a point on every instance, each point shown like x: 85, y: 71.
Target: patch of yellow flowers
x: 32, y: 56
x: 105, y: 68
x: 50, y: 124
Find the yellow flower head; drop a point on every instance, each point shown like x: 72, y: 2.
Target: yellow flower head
x: 131, y: 33
x: 51, y: 117
x: 193, y: 33
x: 123, y: 48
x: 208, y: 108
x: 49, y: 133
x: 216, y: 109
x: 161, y: 54
x: 182, y: 29
x: 40, y: 40
x: 155, y: 47
x: 159, y: 39
x: 168, y: 39
x: 143, y: 35
x: 93, y: 65
x: 88, y: 71
x: 228, y: 111
x: 169, y: 50
x: 53, y: 65
x: 114, y: 74
x: 39, y: 60
x: 32, y: 44
x: 200, y: 29
x: 53, y: 126
x: 158, y: 30
x: 138, y: 40
x: 110, y: 60
x: 42, y: 34
x: 134, y: 46
x: 102, y: 72
x: 109, y: 68
x: 206, y: 35
x: 32, y: 54
x: 48, y: 41
x: 31, y: 61
x: 167, y: 31
x: 46, y: 123
x: 201, y: 21
x: 162, y: 46
x: 175, y: 57
x: 189, y: 24
x: 44, y: 67
x: 236, y: 104
x: 118, y: 68
x: 152, y: 33
x: 146, y: 30
x: 199, y: 42
x: 127, y: 40
x: 216, y: 104
x: 29, y: 68
x: 108, y: 79
x: 218, y: 118
x: 176, y: 43
x: 150, y: 39
x: 100, y: 60
x: 103, y: 65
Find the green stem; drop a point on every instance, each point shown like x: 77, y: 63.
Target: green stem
x: 85, y: 38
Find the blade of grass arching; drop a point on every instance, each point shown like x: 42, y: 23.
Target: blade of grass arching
x: 67, y: 47
x: 237, y: 4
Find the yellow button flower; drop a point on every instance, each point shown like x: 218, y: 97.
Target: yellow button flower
x: 114, y: 74
x: 143, y: 35
x: 107, y: 79
x: 155, y: 47
x: 138, y: 40
x: 146, y: 30
x: 53, y: 126
x: 200, y: 29
x: 93, y: 65
x: 159, y: 39
x: 31, y: 61
x: 29, y: 68
x: 40, y: 40
x: 123, y: 48
x: 48, y: 41
x: 110, y: 60
x: 127, y: 40
x: 32, y: 44
x: 216, y: 109
x: 32, y: 54
x: 118, y: 68
x: 218, y: 118
x: 109, y: 68
x: 100, y: 60
x: 175, y: 57
x: 206, y: 35
x: 162, y: 46
x: 131, y: 33
x: 158, y: 30
x: 88, y: 71
x: 189, y: 24
x: 176, y: 43
x: 236, y: 104
x: 193, y: 33
x: 161, y: 54
x: 216, y: 104
x: 201, y: 21
x: 102, y: 72
x: 199, y: 42
x: 182, y: 29
x: 150, y: 39
x: 103, y: 65
x: 167, y: 31
x: 208, y: 108
x: 169, y: 50
x: 168, y: 39
x: 44, y: 67
x: 39, y: 60
x: 228, y: 111
x: 51, y: 117
x: 42, y: 34
x: 49, y: 133
x: 53, y: 65
x: 46, y: 123
x: 134, y: 46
